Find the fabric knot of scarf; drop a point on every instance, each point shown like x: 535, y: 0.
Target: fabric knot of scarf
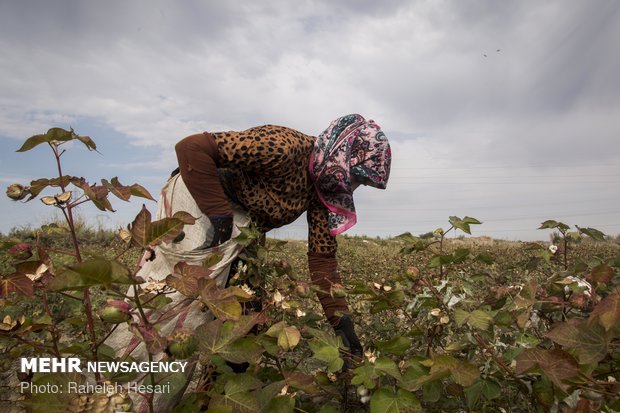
x: 351, y: 148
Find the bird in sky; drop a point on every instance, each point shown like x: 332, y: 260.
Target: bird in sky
x: 497, y: 51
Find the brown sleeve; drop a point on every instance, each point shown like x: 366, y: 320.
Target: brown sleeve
x: 324, y: 274
x: 322, y: 263
x: 198, y: 161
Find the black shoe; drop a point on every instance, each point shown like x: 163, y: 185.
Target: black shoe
x: 346, y: 331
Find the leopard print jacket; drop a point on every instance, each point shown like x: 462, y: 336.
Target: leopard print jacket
x: 266, y: 172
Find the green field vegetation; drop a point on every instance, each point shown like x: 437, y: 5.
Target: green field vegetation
x: 448, y: 324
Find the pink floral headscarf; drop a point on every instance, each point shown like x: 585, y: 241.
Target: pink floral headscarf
x: 350, y: 148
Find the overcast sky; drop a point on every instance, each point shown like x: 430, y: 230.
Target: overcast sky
x: 507, y: 111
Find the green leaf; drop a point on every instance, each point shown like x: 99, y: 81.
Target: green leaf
x: 470, y: 220
x: 212, y: 259
x: 325, y: 348
x: 301, y: 381
x: 551, y: 224
x: 239, y: 394
x: 366, y: 375
x: 140, y: 191
x: 145, y: 233
x: 460, y: 317
x: 243, y: 350
x: 154, y: 301
x: 441, y: 367
x: 224, y: 306
x: 543, y: 391
x: 274, y: 330
x: 385, y: 400
x: 288, y: 338
x: 557, y: 365
x: 6, y: 244
x: 431, y: 392
x: 406, y: 236
x: 413, y: 375
x: 33, y: 141
x: 269, y: 392
x: 270, y: 344
x: 329, y: 408
x: 478, y: 319
x: 215, y: 408
x: 592, y: 233
x: 414, y: 244
x: 57, y: 135
x: 465, y: 373
x: 379, y: 306
x: 327, y: 354
x: 602, y: 273
x: 280, y: 404
x: 216, y: 336
x: 105, y: 352
x: 185, y: 278
x: 39, y: 185
x: 396, y: 296
x: 548, y: 224
x: 98, y: 195
x: 92, y: 272
x: 53, y: 134
x: 460, y: 255
x: 140, y: 228
x: 481, y: 390
x: 164, y: 230
x: 242, y: 382
x: 607, y: 312
x: 325, y: 337
x: 485, y: 258
x: 463, y: 224
x: 588, y: 342
x: 120, y: 191
x: 439, y: 260
x: 397, y: 346
x: 442, y: 363
x: 184, y: 217
x: 387, y: 366
x: 247, y: 236
x: 16, y: 283
x: 88, y: 142
x: 221, y: 301
x: 155, y: 343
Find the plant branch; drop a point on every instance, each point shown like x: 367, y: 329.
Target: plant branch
x: 106, y: 336
x: 69, y: 296
x: 32, y: 344
x: 152, y: 375
x: 496, y: 359
x: 88, y: 308
x: 565, y: 251
x: 53, y: 329
x: 71, y: 254
x: 139, y: 305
